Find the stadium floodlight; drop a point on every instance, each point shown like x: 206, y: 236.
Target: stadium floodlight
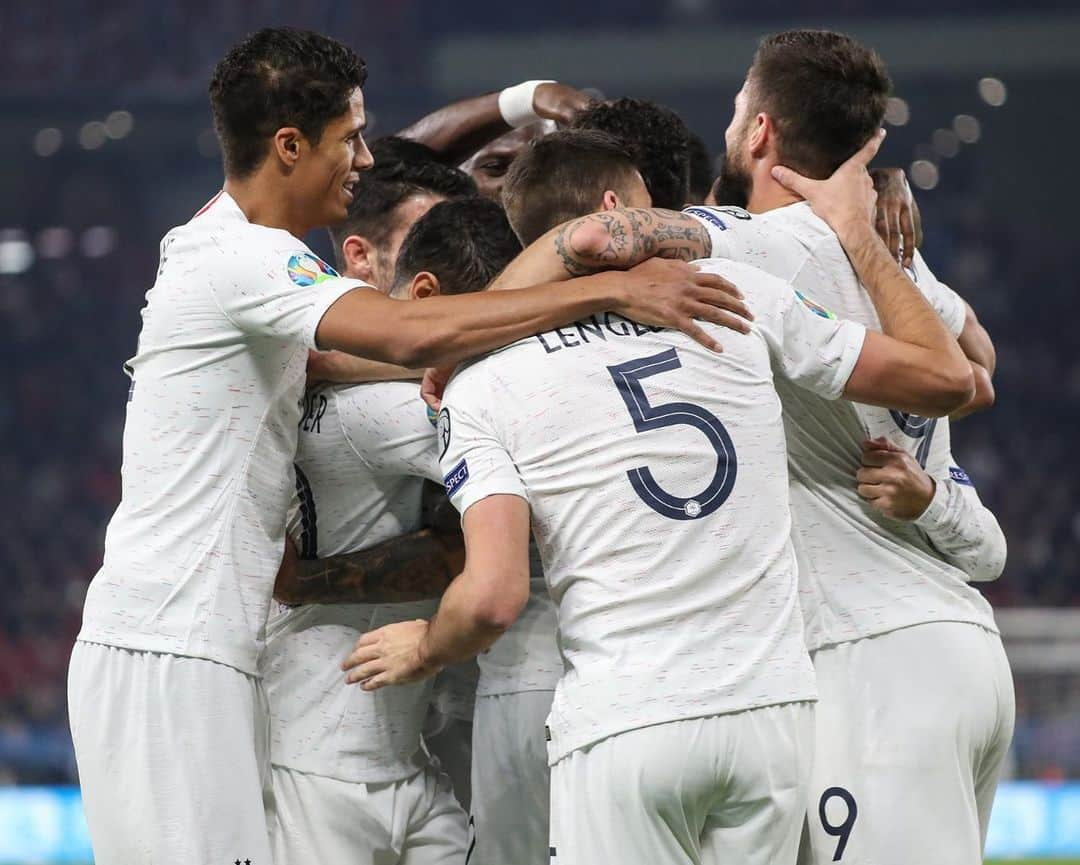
x: 119, y: 124
x: 897, y: 111
x: 55, y: 242
x: 98, y: 241
x: 924, y: 174
x: 967, y: 128
x: 946, y: 143
x: 993, y: 92
x: 92, y: 135
x: 16, y: 253
x: 47, y: 141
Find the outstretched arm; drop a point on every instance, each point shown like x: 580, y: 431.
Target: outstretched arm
x: 413, y: 567
x: 612, y: 240
x: 459, y: 129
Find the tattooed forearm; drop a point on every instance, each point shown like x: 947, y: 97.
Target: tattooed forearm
x: 620, y: 239
x: 412, y: 567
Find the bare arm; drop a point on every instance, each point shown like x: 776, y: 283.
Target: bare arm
x: 413, y: 567
x: 337, y: 366
x: 459, y: 129
x: 612, y: 240
x: 442, y: 331
x: 477, y: 608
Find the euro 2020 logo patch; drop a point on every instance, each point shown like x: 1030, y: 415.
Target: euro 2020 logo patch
x: 815, y: 308
x: 443, y: 429
x: 306, y: 270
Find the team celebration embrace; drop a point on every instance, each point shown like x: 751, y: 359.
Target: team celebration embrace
x: 585, y: 509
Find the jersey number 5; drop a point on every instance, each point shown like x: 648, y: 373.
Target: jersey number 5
x: 628, y: 377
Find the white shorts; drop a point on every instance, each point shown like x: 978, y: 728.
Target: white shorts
x: 324, y: 820
x: 716, y: 791
x: 449, y: 741
x: 511, y: 786
x: 912, y: 730
x: 172, y: 757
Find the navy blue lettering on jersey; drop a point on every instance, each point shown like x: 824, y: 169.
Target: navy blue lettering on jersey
x: 456, y: 477
x: 595, y: 328
x: 916, y: 427
x: 960, y: 476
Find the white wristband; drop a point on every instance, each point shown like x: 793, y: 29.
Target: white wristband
x: 516, y: 103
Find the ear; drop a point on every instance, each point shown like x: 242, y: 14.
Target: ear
x: 359, y: 256
x: 610, y: 200
x: 424, y: 284
x: 287, y: 145
x: 762, y: 136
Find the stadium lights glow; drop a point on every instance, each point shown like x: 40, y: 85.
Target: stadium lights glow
x: 92, y: 135
x: 967, y: 128
x: 924, y: 174
x: 99, y: 241
x: 897, y: 111
x: 946, y: 143
x: 119, y: 124
x: 16, y: 253
x: 55, y: 242
x: 993, y: 92
x: 207, y: 144
x: 48, y: 141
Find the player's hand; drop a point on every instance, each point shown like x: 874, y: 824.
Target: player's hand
x: 897, y: 217
x: 665, y: 292
x: 847, y: 199
x: 389, y: 656
x: 433, y: 385
x: 558, y: 102
x: 892, y: 482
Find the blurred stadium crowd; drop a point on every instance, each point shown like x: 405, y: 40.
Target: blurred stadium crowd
x: 71, y: 319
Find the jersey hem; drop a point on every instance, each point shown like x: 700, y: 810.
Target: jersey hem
x: 143, y: 643
x: 990, y: 626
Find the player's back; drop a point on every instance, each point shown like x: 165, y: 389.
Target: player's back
x: 861, y: 572
x: 656, y: 474
x: 363, y: 454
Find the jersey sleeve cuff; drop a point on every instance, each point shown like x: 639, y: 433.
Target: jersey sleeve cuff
x: 935, y: 511
x: 851, y: 336
x: 327, y: 294
x: 470, y: 497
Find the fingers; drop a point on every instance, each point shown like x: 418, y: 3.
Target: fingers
x: 895, y: 237
x: 700, y: 335
x: 868, y: 151
x: 907, y: 232
x: 791, y: 179
x: 360, y: 655
x: 882, y: 227
x: 715, y: 280
x: 873, y: 475
x: 870, y: 492
x: 722, y: 300
x: 881, y: 444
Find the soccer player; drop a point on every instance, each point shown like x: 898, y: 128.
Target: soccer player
x: 351, y: 778
x: 656, y: 480
x: 567, y: 174
x: 164, y: 702
x: 658, y: 139
x: 885, y: 600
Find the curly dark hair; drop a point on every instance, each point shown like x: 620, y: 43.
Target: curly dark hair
x: 659, y: 142
x: 276, y: 77
x: 407, y: 161
x: 701, y: 169
x: 825, y: 92
x: 466, y: 243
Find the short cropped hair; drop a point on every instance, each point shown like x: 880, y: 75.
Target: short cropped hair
x: 659, y: 142
x: 466, y: 243
x: 701, y: 170
x: 279, y: 77
x: 825, y: 92
x: 563, y: 176
x: 401, y: 172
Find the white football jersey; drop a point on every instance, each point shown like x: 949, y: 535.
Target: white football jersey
x: 526, y: 657
x: 861, y: 573
x: 193, y: 548
x: 656, y: 472
x: 363, y: 455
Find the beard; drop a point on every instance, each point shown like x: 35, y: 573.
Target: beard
x: 732, y: 187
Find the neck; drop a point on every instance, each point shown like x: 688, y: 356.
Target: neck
x: 765, y: 193
x: 265, y: 201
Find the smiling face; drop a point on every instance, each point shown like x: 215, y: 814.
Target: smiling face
x: 328, y: 175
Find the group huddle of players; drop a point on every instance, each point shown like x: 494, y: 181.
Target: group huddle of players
x: 708, y: 598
